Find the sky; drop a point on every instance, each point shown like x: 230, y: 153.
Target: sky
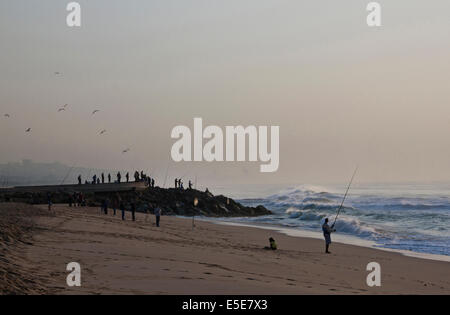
x: 342, y: 93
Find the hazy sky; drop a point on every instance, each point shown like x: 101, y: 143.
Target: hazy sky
x: 341, y: 92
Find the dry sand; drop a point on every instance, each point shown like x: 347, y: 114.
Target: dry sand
x: 128, y: 257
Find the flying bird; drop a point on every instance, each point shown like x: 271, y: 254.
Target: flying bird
x: 65, y: 105
x: 28, y: 130
x: 57, y: 73
x: 95, y: 111
x: 61, y: 109
x: 103, y: 131
x: 7, y: 115
x: 126, y: 150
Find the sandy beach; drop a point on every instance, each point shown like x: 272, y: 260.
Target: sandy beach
x: 118, y: 257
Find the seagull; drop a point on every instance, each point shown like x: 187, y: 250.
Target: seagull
x: 65, y: 105
x: 57, y: 73
x: 7, y: 115
x: 126, y: 150
x: 61, y: 109
x: 103, y: 131
x: 95, y: 111
x: 28, y: 130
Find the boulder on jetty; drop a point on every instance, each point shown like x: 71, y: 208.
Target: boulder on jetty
x: 172, y: 201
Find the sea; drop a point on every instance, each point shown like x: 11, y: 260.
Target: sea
x: 411, y: 218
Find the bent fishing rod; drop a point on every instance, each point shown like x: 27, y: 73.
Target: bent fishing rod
x: 345, y: 196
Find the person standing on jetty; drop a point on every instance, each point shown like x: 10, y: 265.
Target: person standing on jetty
x: 327, y: 230
x: 127, y: 177
x: 176, y: 182
x: 119, y: 177
x: 103, y: 178
x: 79, y: 179
x: 157, y: 215
x: 109, y: 178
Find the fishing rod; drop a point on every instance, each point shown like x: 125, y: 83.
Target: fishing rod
x: 167, y: 172
x: 345, y: 196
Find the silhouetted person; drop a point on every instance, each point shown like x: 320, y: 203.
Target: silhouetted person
x: 127, y: 176
x: 176, y: 182
x: 103, y: 178
x: 133, y: 211
x: 190, y: 184
x: 105, y: 205
x: 327, y: 230
x: 119, y: 177
x: 157, y: 215
x: 49, y: 201
x: 153, y: 183
x: 122, y: 208
x: 98, y: 180
x: 79, y: 179
x: 142, y: 175
x: 109, y: 178
x: 94, y: 179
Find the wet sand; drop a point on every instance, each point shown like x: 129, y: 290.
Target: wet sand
x: 118, y: 257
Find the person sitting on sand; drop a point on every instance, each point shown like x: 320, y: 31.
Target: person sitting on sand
x: 327, y: 230
x: 273, y: 245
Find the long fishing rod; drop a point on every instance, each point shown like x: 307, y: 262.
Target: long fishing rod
x: 345, y: 196
x: 167, y: 172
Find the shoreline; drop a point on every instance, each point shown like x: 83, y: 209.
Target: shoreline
x: 336, y: 238
x: 126, y: 257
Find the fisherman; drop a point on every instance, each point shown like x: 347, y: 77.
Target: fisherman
x: 98, y: 180
x: 109, y: 178
x: 190, y: 184
x: 127, y: 176
x: 119, y: 177
x: 136, y: 176
x: 79, y: 179
x: 94, y: 179
x: 157, y: 215
x: 142, y: 175
x: 103, y: 178
x: 327, y: 230
x: 176, y: 182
